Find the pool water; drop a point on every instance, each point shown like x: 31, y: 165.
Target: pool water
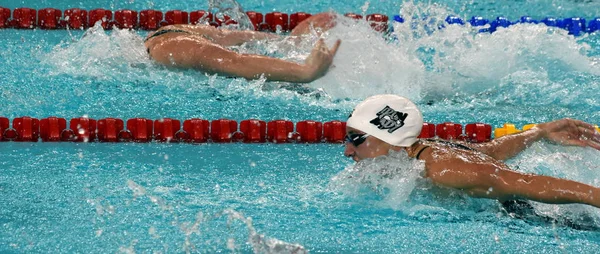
x: 285, y: 198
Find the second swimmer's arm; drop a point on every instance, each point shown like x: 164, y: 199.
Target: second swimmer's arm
x: 224, y: 61
x: 228, y: 63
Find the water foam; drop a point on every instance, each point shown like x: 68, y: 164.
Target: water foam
x: 386, y: 181
x: 98, y: 54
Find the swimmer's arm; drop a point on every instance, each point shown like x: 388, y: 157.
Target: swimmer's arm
x: 508, y: 146
x: 564, y: 131
x: 497, y: 182
x: 229, y: 63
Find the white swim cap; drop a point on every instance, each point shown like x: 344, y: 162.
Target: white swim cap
x: 391, y: 118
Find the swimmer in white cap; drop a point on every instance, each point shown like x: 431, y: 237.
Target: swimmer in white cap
x: 204, y: 48
x: 385, y: 123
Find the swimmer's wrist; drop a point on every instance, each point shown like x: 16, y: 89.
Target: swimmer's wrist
x: 306, y: 74
x: 538, y: 132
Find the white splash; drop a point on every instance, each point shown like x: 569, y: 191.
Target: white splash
x: 391, y: 178
x: 98, y: 54
x: 367, y: 64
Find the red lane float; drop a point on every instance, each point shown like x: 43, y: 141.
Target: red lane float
x: 379, y: 22
x: 126, y: 19
x: 150, y: 19
x: 27, y: 129
x: 176, y: 17
x: 449, y: 130
x: 353, y: 16
x: 165, y: 130
x: 105, y: 16
x: 225, y: 20
x: 51, y: 129
x: 309, y: 131
x: 4, y: 125
x: 428, y: 131
x: 296, y: 18
x: 280, y: 131
x: 478, y: 132
x: 222, y: 130
x: 4, y: 17
x: 254, y: 131
x: 49, y: 18
x: 85, y: 129
x: 140, y: 129
x: 76, y: 18
x: 195, y: 130
x: 200, y: 17
x: 24, y: 18
x: 256, y: 18
x: 277, y: 21
x: 111, y: 130
x: 334, y: 131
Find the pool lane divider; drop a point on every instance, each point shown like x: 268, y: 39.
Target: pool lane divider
x: 75, y: 18
x: 195, y: 130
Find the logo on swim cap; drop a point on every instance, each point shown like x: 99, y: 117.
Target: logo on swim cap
x: 389, y: 119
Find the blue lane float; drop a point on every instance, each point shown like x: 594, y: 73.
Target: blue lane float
x: 575, y: 25
x: 594, y: 25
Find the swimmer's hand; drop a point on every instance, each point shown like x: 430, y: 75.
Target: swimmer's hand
x: 320, y: 59
x: 571, y: 132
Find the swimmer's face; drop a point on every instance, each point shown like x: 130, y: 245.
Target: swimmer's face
x: 370, y: 147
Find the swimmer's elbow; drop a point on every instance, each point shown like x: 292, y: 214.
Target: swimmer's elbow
x: 481, y: 182
x: 506, y: 184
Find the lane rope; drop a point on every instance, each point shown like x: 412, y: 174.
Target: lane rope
x: 75, y: 18
x: 196, y: 130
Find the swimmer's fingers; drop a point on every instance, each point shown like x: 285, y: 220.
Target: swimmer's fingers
x: 572, y: 132
x: 335, y: 47
x: 583, y: 143
x: 577, y: 142
x: 583, y: 124
x: 320, y: 45
x: 594, y: 145
x: 581, y: 129
x: 579, y: 133
x: 587, y: 130
x: 589, y: 136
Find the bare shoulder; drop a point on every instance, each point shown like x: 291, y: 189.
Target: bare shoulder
x: 442, y: 159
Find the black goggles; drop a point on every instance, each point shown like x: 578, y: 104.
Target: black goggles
x: 356, y: 139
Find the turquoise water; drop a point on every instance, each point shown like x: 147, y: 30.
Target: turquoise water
x: 165, y: 198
